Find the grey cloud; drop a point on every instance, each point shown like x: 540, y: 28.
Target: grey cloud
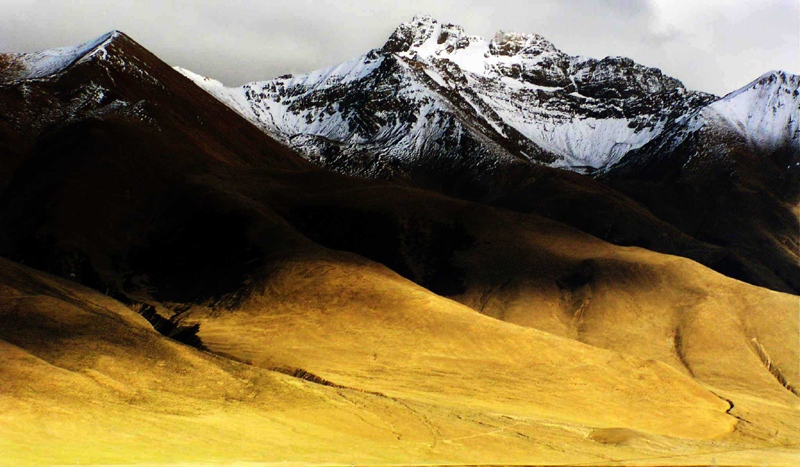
x: 241, y: 41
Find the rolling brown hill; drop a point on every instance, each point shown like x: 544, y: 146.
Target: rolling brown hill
x: 341, y: 320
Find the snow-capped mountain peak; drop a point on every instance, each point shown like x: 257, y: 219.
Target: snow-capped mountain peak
x: 432, y: 90
x: 412, y: 35
x: 525, y: 45
x: 424, y: 39
x: 765, y: 112
x: 425, y: 36
x: 37, y: 65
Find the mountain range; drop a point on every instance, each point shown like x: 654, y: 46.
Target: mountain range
x: 446, y: 251
x: 471, y: 118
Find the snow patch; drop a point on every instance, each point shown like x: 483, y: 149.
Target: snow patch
x: 49, y: 62
x: 765, y: 112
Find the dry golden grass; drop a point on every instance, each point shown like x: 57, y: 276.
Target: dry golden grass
x: 86, y: 380
x: 404, y: 376
x: 411, y: 377
x: 358, y: 325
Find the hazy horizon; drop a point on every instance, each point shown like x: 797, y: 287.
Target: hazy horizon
x: 714, y: 46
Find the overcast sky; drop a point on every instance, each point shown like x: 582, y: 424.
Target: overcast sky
x: 711, y: 45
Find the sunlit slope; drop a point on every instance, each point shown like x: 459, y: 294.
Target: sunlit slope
x: 535, y: 272
x: 359, y: 325
x: 531, y: 271
x: 86, y: 380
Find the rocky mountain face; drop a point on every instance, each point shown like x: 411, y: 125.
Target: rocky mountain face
x: 484, y: 119
x: 433, y: 93
x: 761, y: 119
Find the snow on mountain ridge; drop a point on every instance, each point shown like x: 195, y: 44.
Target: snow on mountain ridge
x: 425, y: 39
x: 232, y: 97
x: 542, y: 104
x: 517, y: 90
x: 765, y: 112
x: 37, y: 65
x: 761, y: 116
x: 506, y: 72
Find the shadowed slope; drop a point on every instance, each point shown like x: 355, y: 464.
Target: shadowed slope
x: 730, y: 175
